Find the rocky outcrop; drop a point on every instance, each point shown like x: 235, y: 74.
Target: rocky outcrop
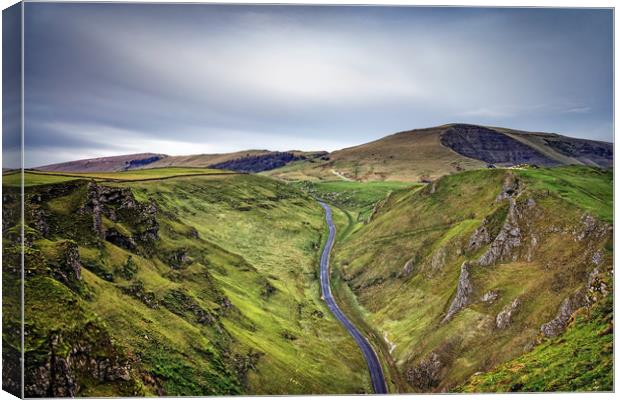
x: 464, y: 291
x: 558, y: 324
x: 504, y: 318
x: 57, y: 369
x: 510, y: 188
x: 120, y: 205
x: 590, y: 228
x: 491, y: 146
x: 408, y: 269
x: 179, y: 259
x: 508, y: 239
x: 490, y: 296
x: 137, y: 291
x: 480, y: 237
x: 70, y: 268
x: 182, y: 304
x: 597, y: 288
x: 427, y: 374
x: 115, y: 237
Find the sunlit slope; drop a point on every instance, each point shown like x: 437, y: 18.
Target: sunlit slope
x: 479, y: 267
x: 34, y: 178
x: 187, y: 286
x: 424, y: 154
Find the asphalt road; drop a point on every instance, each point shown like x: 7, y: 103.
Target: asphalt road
x: 374, y: 366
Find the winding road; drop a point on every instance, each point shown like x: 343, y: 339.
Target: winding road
x: 374, y: 366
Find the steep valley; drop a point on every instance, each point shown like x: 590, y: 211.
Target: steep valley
x: 186, y: 286
x: 153, y: 282
x: 479, y: 268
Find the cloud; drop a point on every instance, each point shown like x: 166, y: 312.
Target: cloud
x: 578, y: 110
x: 113, y: 78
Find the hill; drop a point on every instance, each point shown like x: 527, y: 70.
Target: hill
x: 410, y: 156
x: 105, y: 164
x: 241, y: 161
x: 196, y: 285
x: 425, y: 154
x: 485, y: 271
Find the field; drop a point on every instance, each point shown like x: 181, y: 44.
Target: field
x: 33, y: 178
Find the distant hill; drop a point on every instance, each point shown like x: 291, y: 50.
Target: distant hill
x: 106, y: 164
x: 428, y: 153
x: 415, y: 155
x: 241, y: 161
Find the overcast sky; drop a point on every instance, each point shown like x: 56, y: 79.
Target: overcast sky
x: 108, y: 79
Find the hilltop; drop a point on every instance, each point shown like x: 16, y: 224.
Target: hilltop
x: 425, y: 154
x: 415, y: 155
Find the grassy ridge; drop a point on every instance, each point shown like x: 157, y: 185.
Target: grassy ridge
x: 34, y: 178
x: 225, y: 301
x: 404, y: 266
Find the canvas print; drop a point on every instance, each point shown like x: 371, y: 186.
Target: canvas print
x: 210, y: 199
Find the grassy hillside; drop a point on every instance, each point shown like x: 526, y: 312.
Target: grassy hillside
x: 460, y: 276
x: 187, y: 286
x: 578, y: 360
x: 405, y: 156
x: 357, y: 199
x: 425, y: 154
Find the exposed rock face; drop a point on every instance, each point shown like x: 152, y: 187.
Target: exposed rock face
x: 136, y: 290
x: 179, y: 258
x: 590, y: 228
x: 258, y: 163
x: 504, y: 318
x: 58, y: 371
x: 408, y: 269
x: 38, y: 220
x: 115, y: 237
x: 510, y: 188
x: 504, y: 244
x: 587, y: 151
x: 120, y: 204
x: 479, y: 238
x: 181, y: 304
x: 558, y: 324
x: 490, y: 296
x: 596, y: 288
x: 491, y: 146
x: 463, y: 293
x: 70, y: 267
x: 427, y: 374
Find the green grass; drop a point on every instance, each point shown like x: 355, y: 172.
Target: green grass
x: 14, y: 179
x: 227, y: 301
x: 578, y: 360
x: 584, y: 187
x: 241, y: 313
x: 138, y: 174
x: 432, y: 226
x: 35, y: 178
x: 357, y: 198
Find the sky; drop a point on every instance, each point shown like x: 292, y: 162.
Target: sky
x: 110, y: 79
